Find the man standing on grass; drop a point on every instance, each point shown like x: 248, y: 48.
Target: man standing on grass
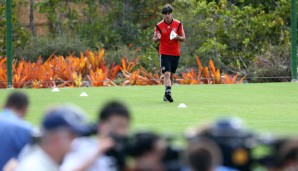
x: 169, y: 33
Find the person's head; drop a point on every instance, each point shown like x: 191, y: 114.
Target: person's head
x: 60, y: 125
x: 146, y: 143
x: 203, y: 155
x: 148, y: 149
x: 114, y: 119
x: 167, y: 13
x: 18, y: 102
x: 288, y: 155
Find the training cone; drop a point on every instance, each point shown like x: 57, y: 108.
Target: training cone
x: 55, y: 89
x: 182, y: 105
x: 83, y: 94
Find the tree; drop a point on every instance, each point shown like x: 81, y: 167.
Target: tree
x: 233, y: 34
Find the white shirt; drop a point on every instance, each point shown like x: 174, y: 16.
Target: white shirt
x: 37, y: 160
x: 82, y: 150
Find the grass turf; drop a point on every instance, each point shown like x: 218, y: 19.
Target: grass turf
x: 271, y: 107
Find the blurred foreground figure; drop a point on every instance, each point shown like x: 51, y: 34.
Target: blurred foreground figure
x: 203, y: 155
x: 233, y: 141
x: 241, y: 149
x: 14, y: 131
x: 289, y: 155
x: 106, y: 151
x: 147, y: 150
x: 60, y: 126
x: 286, y: 156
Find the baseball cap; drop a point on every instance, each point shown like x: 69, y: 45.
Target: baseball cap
x: 66, y: 116
x: 229, y: 127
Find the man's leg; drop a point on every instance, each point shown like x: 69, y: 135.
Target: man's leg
x: 173, y: 66
x: 168, y: 85
x: 172, y: 79
x: 166, y: 70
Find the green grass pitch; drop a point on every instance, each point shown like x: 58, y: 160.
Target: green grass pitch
x: 270, y: 107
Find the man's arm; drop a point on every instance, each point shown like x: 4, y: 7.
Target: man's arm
x: 156, y: 36
x: 181, y: 37
x: 82, y: 160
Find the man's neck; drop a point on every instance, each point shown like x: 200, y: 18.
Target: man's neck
x: 168, y: 22
x: 14, y: 112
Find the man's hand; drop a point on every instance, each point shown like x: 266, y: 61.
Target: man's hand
x: 156, y: 37
x: 10, y: 165
x: 180, y: 38
x: 105, y: 144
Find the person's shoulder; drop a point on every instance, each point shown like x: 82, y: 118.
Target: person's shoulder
x: 85, y: 141
x: 177, y: 21
x: 8, y: 117
x: 15, y: 127
x: 223, y: 168
x: 26, y: 125
x: 37, y: 160
x: 81, y: 149
x: 25, y: 166
x: 83, y: 145
x: 160, y: 22
x: 30, y: 162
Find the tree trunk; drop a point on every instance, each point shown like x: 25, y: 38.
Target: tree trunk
x: 32, y: 17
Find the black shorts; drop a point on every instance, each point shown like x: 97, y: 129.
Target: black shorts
x: 169, y: 63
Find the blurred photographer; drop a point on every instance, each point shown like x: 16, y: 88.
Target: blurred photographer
x: 101, y: 153
x: 289, y: 155
x: 243, y: 150
x: 14, y: 130
x: 284, y: 156
x: 59, y: 128
x: 234, y: 141
x: 203, y: 155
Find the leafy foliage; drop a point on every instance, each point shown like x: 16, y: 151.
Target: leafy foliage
x: 207, y: 75
x: 235, y: 34
x: 19, y: 36
x: 232, y: 35
x: 45, y: 46
x: 91, y: 69
x: 272, y: 65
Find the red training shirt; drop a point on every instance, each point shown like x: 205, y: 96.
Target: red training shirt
x: 167, y: 46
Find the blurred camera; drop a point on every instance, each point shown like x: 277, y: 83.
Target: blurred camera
x: 142, y: 143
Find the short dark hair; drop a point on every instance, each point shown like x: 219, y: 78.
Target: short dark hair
x: 113, y: 108
x: 200, y: 159
x: 167, y: 9
x: 287, y: 151
x: 203, y: 155
x: 17, y: 100
x: 143, y: 143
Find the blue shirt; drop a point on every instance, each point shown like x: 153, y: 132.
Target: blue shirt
x: 222, y: 168
x: 219, y: 168
x: 15, y: 133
